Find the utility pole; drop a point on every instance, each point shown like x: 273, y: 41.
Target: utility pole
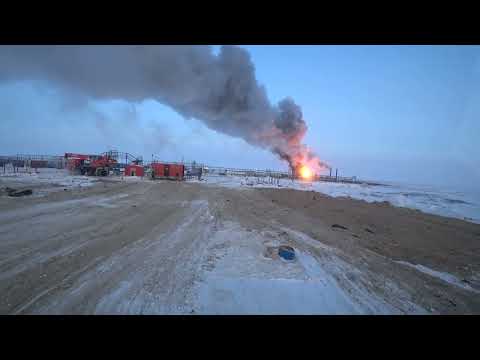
x: 336, y: 175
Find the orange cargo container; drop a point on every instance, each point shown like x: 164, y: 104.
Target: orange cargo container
x: 168, y: 171
x: 134, y: 170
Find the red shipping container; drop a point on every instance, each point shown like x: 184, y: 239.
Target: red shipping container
x: 168, y: 171
x: 134, y: 170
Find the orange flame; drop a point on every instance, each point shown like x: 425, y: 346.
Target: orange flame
x: 305, y: 172
x: 301, y: 158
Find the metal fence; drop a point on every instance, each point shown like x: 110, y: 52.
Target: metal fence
x: 22, y: 160
x: 52, y: 161
x: 271, y: 175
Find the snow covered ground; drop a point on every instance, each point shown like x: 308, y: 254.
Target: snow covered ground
x: 181, y: 249
x: 457, y: 204
x: 244, y: 279
x: 449, y: 278
x: 55, y: 177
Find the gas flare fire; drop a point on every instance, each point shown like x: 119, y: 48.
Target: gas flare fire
x: 305, y: 172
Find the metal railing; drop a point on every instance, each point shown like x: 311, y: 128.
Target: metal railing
x: 21, y: 160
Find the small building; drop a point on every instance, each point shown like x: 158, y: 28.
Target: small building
x: 168, y: 171
x: 134, y: 170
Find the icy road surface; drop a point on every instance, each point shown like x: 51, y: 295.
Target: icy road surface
x: 154, y: 247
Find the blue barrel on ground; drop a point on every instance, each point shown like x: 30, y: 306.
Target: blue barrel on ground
x: 286, y: 252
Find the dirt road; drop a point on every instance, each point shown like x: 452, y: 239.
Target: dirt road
x: 184, y: 248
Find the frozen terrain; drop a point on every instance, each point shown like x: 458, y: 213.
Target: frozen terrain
x: 45, y: 179
x: 136, y: 246
x: 457, y: 204
x: 246, y: 279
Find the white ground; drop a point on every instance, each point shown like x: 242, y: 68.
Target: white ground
x: 448, y: 278
x: 434, y: 201
x: 205, y: 265
x: 55, y: 177
x: 245, y: 281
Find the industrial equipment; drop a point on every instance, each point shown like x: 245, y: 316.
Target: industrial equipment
x: 99, y: 166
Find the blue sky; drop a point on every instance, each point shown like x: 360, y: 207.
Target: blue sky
x: 401, y: 113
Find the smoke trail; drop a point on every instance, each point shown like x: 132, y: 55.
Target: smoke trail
x: 221, y: 91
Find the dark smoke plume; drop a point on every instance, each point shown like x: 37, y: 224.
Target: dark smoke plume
x: 221, y: 91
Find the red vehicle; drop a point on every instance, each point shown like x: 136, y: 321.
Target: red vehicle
x: 168, y: 171
x: 93, y: 165
x: 75, y: 161
x: 99, y: 166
